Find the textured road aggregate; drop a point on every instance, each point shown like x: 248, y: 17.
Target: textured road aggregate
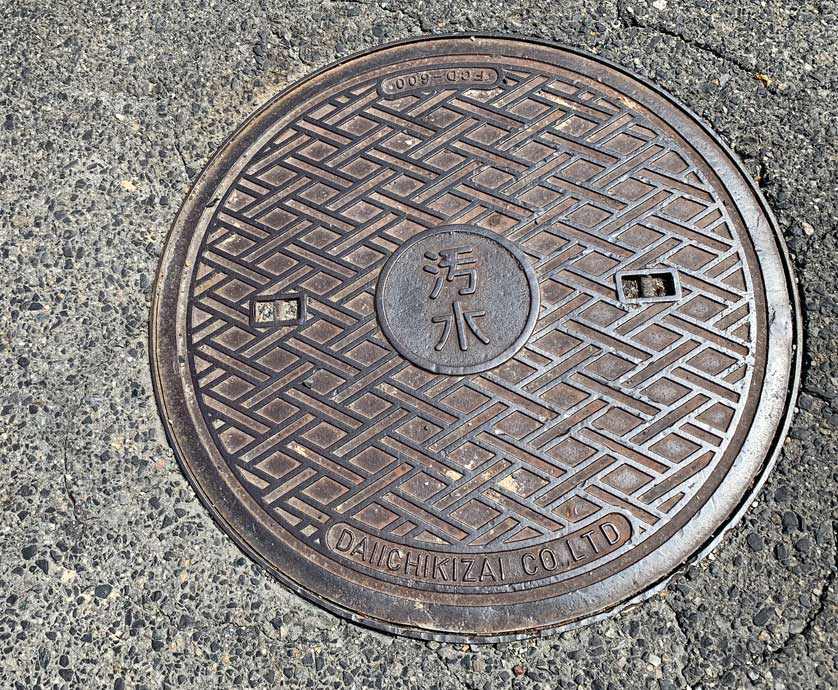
x: 112, y: 575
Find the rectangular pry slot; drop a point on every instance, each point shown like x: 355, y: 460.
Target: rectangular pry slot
x: 281, y: 310
x: 650, y: 285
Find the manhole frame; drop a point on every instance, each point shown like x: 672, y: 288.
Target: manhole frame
x: 163, y: 348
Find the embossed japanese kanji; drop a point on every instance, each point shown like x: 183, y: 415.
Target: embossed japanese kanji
x: 474, y: 338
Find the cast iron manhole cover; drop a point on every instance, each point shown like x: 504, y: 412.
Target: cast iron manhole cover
x: 474, y: 338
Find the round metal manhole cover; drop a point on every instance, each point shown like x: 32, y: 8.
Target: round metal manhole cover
x: 474, y: 338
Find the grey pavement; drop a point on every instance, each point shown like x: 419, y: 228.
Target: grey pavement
x: 112, y: 575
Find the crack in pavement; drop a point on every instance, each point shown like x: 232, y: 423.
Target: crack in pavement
x: 76, y: 510
x: 183, y: 161
x: 630, y: 20
x: 817, y: 611
x: 676, y: 616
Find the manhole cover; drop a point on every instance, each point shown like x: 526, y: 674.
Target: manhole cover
x: 474, y: 338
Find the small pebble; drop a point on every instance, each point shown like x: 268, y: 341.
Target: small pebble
x: 755, y: 541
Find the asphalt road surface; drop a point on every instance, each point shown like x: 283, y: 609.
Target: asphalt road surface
x: 112, y: 575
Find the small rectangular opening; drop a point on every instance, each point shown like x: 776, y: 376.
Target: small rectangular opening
x: 283, y: 310
x: 652, y: 285
x: 287, y: 309
x: 264, y: 312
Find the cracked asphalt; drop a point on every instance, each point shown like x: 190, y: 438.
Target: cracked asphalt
x: 112, y: 575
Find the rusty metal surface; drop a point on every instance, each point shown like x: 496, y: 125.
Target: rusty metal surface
x: 474, y: 338
x: 457, y: 300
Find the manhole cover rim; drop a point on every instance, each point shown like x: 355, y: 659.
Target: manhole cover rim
x: 164, y: 362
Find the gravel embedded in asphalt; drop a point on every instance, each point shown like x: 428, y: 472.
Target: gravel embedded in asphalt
x: 112, y: 573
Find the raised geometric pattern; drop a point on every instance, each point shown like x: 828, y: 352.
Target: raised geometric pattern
x: 607, y: 406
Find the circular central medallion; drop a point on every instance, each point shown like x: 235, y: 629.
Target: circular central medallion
x: 457, y: 300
